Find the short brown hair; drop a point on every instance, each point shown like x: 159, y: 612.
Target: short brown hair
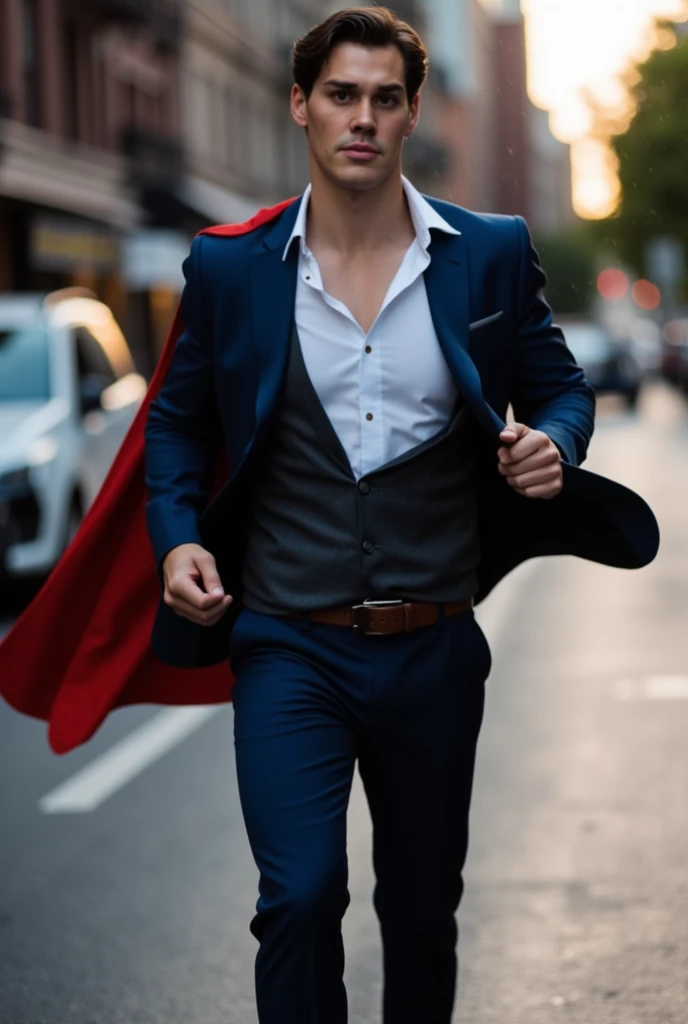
x: 368, y: 26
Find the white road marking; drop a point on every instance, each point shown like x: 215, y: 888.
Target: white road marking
x: 652, y: 688
x: 93, y: 784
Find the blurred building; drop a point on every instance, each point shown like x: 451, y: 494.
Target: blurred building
x: 89, y: 131
x: 460, y: 42
x: 502, y: 154
x: 533, y: 167
x: 513, y: 154
x: 550, y: 202
x: 243, y: 149
x: 128, y: 125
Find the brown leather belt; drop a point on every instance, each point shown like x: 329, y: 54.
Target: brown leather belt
x: 382, y: 618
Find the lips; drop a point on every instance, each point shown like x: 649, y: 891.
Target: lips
x: 360, y: 151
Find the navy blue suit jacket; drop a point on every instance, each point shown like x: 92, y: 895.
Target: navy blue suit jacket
x: 223, y: 386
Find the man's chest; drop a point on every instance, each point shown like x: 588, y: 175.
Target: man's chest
x: 385, y: 391
x: 399, y: 358
x: 363, y: 287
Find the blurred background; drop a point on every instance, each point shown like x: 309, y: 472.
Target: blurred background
x: 126, y: 126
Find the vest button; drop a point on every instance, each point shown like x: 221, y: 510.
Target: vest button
x: 368, y: 547
x: 364, y: 486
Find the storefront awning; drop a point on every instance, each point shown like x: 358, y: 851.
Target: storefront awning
x: 218, y: 205
x: 38, y: 169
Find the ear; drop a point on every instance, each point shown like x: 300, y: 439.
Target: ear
x: 299, y: 110
x: 414, y: 114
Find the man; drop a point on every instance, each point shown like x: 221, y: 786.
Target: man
x: 327, y: 352
x: 331, y: 485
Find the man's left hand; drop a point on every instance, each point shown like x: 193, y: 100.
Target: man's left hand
x: 530, y: 461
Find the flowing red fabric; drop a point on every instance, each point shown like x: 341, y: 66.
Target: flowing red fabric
x: 82, y: 647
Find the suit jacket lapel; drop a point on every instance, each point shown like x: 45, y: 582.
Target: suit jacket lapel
x: 273, y: 293
x: 447, y: 286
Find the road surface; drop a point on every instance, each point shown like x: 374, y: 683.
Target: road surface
x: 127, y: 882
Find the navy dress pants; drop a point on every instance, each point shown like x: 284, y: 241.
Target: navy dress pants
x: 309, y: 701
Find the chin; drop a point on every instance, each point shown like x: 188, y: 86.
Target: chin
x: 358, y: 178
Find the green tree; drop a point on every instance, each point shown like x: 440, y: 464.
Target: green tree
x: 653, y: 154
x: 569, y: 259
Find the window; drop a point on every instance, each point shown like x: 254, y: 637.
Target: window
x: 24, y: 365
x: 29, y: 60
x: 71, y: 56
x: 91, y: 358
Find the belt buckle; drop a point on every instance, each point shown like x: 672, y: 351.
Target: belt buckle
x: 360, y: 623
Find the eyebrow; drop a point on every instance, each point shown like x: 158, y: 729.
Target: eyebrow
x: 394, y: 87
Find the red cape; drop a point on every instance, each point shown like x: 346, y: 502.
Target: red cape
x: 82, y: 647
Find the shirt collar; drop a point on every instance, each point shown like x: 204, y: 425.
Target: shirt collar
x: 423, y: 215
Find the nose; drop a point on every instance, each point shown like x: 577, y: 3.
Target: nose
x: 363, y: 119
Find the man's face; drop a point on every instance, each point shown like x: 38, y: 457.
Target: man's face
x: 357, y: 115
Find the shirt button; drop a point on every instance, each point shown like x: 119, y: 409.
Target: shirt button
x: 368, y: 547
x: 364, y: 486
x: 368, y: 349
x: 369, y: 415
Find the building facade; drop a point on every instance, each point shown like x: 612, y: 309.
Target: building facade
x: 89, y: 133
x: 550, y: 202
x: 243, y: 149
x: 126, y: 126
x: 502, y: 154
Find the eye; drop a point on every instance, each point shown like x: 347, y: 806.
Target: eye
x: 388, y: 100
x: 341, y: 95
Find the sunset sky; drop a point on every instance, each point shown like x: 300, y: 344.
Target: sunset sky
x: 579, y: 46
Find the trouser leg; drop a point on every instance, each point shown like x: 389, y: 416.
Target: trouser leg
x: 417, y: 768
x: 295, y: 756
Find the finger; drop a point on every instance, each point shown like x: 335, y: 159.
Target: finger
x: 539, y: 460
x: 186, y: 588
x: 515, y: 429
x: 545, y: 491
x: 537, y: 478
x: 212, y: 584
x: 200, y: 617
x: 513, y: 432
x: 526, y: 446
x: 183, y: 604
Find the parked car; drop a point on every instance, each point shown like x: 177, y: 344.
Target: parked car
x: 609, y: 365
x: 675, y: 352
x: 68, y: 393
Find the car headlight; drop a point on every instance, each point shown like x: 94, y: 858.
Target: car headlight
x: 42, y: 450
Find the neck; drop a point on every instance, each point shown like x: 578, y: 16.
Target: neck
x: 352, y: 221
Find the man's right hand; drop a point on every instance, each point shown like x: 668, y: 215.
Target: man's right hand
x: 193, y: 588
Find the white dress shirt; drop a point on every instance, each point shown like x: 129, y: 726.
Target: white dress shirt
x: 385, y: 401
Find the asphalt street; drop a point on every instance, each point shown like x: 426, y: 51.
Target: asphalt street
x: 125, y: 898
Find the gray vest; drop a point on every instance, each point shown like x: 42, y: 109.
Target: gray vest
x: 318, y: 538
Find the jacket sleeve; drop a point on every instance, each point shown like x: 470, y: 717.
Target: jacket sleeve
x: 183, y: 432
x: 550, y: 392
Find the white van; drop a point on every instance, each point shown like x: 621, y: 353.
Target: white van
x: 68, y: 394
